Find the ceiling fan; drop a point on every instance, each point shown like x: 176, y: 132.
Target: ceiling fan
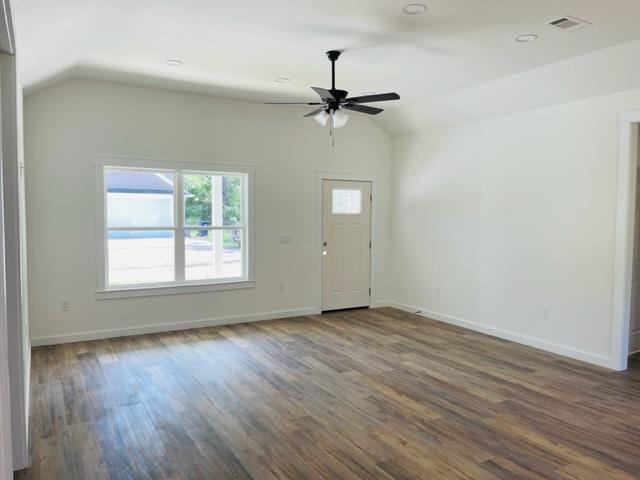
x: 334, y: 102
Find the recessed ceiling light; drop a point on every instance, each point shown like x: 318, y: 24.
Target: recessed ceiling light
x: 282, y: 80
x: 414, y: 8
x: 527, y: 37
x: 174, y: 62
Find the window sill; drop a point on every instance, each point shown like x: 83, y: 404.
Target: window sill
x: 114, y: 293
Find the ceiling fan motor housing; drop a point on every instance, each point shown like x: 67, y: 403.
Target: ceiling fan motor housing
x: 340, y: 96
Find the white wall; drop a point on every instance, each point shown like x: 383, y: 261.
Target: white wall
x: 509, y: 215
x: 67, y: 124
x: 503, y: 217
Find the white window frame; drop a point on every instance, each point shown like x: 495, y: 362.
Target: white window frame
x: 180, y: 285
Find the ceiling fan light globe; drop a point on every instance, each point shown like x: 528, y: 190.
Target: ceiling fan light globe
x: 340, y: 118
x: 321, y: 118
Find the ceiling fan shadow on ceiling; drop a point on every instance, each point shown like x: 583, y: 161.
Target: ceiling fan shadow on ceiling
x: 334, y: 104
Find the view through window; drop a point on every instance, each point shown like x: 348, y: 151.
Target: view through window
x: 173, y: 226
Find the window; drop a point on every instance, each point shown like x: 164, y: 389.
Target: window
x: 346, y: 202
x: 173, y: 226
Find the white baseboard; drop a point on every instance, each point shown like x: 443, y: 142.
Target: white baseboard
x: 564, y: 350
x: 168, y: 327
x: 570, y: 352
x: 634, y: 342
x: 380, y: 304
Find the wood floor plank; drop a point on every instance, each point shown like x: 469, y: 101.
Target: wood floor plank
x: 365, y: 394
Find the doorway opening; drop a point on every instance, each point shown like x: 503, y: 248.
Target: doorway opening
x: 634, y: 307
x: 626, y: 278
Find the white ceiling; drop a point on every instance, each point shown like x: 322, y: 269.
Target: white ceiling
x: 237, y: 48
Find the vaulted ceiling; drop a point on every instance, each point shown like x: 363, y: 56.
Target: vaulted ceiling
x: 238, y: 48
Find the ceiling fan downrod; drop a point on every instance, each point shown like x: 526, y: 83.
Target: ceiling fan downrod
x: 333, y: 56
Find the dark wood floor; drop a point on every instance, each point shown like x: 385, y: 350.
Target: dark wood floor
x: 365, y: 394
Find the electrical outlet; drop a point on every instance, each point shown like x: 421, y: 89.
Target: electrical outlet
x: 65, y: 306
x: 546, y: 311
x: 281, y: 288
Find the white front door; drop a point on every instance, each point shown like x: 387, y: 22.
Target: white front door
x: 346, y: 244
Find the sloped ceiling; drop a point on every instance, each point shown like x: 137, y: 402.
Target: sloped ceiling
x: 457, y: 62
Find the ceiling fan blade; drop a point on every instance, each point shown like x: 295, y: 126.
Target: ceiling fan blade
x: 315, y: 112
x: 380, y: 97
x: 362, y: 109
x: 293, y: 103
x: 324, y: 93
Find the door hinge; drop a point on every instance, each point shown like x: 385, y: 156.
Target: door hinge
x: 369, y: 245
x: 371, y: 197
x: 369, y: 291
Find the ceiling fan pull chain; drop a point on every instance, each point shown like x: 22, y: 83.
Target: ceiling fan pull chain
x: 332, y: 131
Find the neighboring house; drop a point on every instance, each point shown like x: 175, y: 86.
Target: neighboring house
x: 136, y: 195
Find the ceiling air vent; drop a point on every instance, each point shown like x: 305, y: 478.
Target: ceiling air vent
x: 569, y: 23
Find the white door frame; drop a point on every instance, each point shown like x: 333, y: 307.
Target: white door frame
x: 352, y: 177
x: 12, y: 432
x: 6, y: 450
x: 623, y: 247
